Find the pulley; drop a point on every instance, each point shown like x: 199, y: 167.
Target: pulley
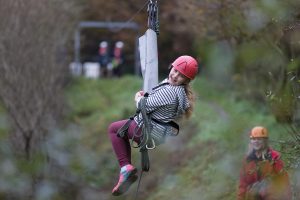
x: 153, y: 22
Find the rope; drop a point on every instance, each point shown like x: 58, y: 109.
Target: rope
x: 133, y: 16
x: 138, y: 186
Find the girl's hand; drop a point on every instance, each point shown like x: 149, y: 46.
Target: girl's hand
x: 138, y: 95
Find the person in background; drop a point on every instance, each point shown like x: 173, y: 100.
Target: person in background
x: 171, y: 100
x: 262, y: 176
x: 117, y: 59
x: 104, y: 59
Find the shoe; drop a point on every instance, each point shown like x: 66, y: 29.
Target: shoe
x: 126, y: 179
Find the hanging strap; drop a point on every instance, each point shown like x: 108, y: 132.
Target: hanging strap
x: 145, y: 162
x: 146, y: 137
x: 148, y: 141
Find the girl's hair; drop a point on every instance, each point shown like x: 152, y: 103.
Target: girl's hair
x: 191, y: 97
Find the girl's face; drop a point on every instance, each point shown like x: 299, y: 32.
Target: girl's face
x: 176, y: 78
x: 258, y: 144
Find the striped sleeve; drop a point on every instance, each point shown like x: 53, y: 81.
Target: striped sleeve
x: 161, y: 98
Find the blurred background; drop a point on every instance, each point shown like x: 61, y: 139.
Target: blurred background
x: 68, y: 68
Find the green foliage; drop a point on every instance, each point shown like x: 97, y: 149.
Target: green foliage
x: 93, y: 105
x: 81, y: 148
x: 3, y: 123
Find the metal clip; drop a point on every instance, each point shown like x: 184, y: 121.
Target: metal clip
x: 153, y: 145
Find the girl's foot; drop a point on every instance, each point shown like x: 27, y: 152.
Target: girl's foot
x: 127, y: 177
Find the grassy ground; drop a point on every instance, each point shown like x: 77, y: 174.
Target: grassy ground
x: 201, y: 163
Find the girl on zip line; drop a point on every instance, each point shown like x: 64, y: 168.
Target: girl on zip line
x: 171, y: 100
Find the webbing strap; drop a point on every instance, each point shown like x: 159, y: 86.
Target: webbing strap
x: 146, y: 134
x: 145, y: 162
x: 171, y: 123
x: 147, y: 138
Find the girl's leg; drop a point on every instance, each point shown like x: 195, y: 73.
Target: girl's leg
x: 120, y: 145
x: 122, y: 150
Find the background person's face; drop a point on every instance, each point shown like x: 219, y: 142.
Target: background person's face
x: 258, y: 143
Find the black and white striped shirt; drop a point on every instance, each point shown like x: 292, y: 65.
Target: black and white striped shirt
x: 166, y: 103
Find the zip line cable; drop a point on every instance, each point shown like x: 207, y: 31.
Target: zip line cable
x: 133, y: 16
x: 152, y: 9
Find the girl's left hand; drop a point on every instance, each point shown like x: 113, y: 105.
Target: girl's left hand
x: 138, y: 95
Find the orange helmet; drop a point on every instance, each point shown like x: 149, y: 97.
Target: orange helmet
x: 259, y: 132
x: 186, y: 65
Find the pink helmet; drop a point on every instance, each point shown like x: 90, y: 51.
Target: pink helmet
x: 186, y: 65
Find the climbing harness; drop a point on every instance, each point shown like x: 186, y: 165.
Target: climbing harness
x: 153, y: 131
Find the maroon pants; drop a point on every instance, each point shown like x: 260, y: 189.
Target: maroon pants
x: 120, y: 145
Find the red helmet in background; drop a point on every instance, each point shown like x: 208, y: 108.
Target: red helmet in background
x: 186, y: 65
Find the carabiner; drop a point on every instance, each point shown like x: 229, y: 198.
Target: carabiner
x: 153, y: 145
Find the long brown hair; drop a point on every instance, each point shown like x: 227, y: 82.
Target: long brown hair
x: 190, y: 94
x: 191, y: 97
